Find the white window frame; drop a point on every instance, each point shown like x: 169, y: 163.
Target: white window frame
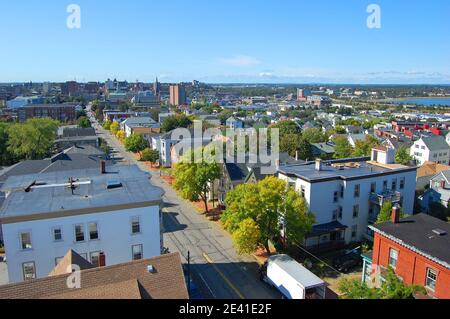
x: 391, y: 250
x: 34, y: 270
x: 89, y: 231
x: 53, y: 234
x: 21, y: 241
x: 433, y: 280
x: 139, y: 223
x: 75, y: 233
x: 90, y: 257
x: 142, y: 251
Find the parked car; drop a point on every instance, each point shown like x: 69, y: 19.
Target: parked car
x: 347, y: 261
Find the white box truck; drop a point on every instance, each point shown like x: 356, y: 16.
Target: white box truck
x: 292, y: 279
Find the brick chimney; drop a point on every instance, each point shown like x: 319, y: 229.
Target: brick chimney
x: 102, y: 260
x: 395, y: 214
x: 103, y: 167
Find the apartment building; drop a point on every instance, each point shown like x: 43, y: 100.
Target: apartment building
x: 113, y: 212
x: 177, y: 95
x: 431, y: 149
x: 60, y: 112
x: 346, y: 195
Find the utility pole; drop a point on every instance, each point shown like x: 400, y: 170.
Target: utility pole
x: 189, y: 271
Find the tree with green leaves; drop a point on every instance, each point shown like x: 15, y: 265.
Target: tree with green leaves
x: 246, y: 237
x: 150, y: 155
x: 114, y: 128
x: 83, y: 121
x: 135, y: 143
x: 391, y: 288
x: 107, y: 125
x: 402, y: 156
x: 304, y: 149
x: 290, y: 143
x: 6, y: 158
x: 286, y: 128
x: 342, y: 148
x: 385, y: 214
x: 176, y: 121
x: 33, y: 139
x: 314, y: 135
x: 364, y: 147
x: 272, y: 205
x: 194, y: 179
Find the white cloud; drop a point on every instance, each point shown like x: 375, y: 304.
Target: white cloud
x: 240, y: 60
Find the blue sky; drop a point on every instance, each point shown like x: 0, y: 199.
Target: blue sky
x: 268, y: 41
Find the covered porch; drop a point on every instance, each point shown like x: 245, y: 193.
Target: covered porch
x: 326, y: 237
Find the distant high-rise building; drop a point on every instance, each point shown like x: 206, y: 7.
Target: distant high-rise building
x: 157, y: 88
x: 177, y: 95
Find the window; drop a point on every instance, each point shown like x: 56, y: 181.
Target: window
x: 340, y: 212
x: 431, y: 279
x: 57, y: 233
x: 357, y: 190
x: 79, y: 233
x: 95, y: 258
x: 373, y: 187
x: 25, y: 239
x: 394, y: 184
x: 93, y: 231
x: 335, y: 213
x: 354, y: 231
x: 135, y: 225
x: 29, y: 270
x: 335, y: 197
x: 417, y: 146
x: 342, y: 191
x: 355, y: 211
x: 57, y: 260
x: 393, y: 257
x: 385, y: 185
x: 137, y: 252
x: 423, y: 147
x: 402, y: 183
x: 303, y: 191
x: 435, y: 156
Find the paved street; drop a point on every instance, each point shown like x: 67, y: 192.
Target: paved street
x: 216, y: 268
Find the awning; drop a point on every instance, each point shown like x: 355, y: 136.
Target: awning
x: 327, y: 228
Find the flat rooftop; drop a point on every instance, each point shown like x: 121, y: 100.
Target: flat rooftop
x: 355, y: 168
x: 52, y: 196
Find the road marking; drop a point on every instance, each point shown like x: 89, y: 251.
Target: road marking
x: 206, y: 284
x: 210, y: 261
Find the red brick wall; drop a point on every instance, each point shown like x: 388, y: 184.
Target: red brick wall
x: 411, y: 267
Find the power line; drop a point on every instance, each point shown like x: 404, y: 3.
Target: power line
x: 331, y: 267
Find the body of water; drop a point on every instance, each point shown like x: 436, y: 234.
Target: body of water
x: 443, y: 101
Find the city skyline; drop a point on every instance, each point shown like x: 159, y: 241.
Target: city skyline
x: 300, y: 42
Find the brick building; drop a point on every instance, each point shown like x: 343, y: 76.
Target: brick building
x: 418, y: 249
x: 60, y: 112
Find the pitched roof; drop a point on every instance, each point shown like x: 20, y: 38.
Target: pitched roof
x: 435, y: 143
x: 431, y: 169
x: 417, y: 234
x: 122, y: 281
x: 71, y: 258
x: 78, y: 131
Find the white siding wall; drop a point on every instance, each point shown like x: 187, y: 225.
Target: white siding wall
x: 320, y: 198
x: 115, y: 239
